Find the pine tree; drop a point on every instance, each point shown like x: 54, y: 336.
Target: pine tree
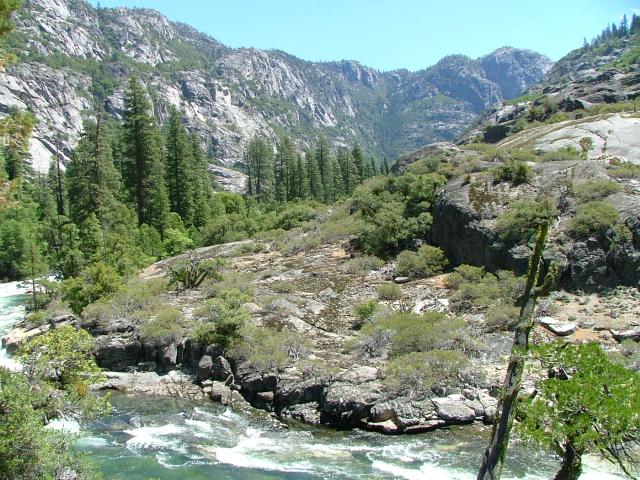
x: 93, y: 183
x: 143, y: 166
x: 283, y: 170
x: 358, y: 158
x: 302, y: 184
x: 179, y: 172
x: 338, y: 179
x: 259, y: 161
x: 315, y: 179
x: 202, y: 191
x: 350, y: 171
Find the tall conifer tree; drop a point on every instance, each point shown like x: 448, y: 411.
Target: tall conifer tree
x: 143, y: 166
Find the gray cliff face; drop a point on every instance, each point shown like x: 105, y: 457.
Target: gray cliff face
x: 72, y: 54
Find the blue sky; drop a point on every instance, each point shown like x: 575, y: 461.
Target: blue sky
x: 390, y: 34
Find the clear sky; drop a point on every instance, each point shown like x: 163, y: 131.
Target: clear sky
x: 390, y: 34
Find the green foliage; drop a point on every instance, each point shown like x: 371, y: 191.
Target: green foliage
x: 625, y: 170
x: 363, y: 264
x: 192, y: 272
x: 412, y: 332
x: 417, y: 373
x: 267, y: 350
x: 519, y: 223
x: 166, y: 323
x: 427, y: 262
x: 94, y: 282
x: 565, y: 153
x: 588, y: 404
x: 389, y: 292
x: 283, y: 286
x: 366, y: 310
x: 473, y: 289
x: 593, y: 218
x: 394, y: 211
x: 220, y: 319
x: 595, y: 190
x: 515, y: 171
x: 28, y: 451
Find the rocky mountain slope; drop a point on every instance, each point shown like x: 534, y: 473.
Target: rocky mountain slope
x: 582, y: 81
x: 72, y: 54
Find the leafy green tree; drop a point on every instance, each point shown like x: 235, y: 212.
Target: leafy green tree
x: 588, y: 404
x: 143, y: 166
x: 97, y: 281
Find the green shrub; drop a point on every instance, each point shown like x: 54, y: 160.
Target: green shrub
x: 192, y: 272
x: 389, y: 292
x: 267, y: 350
x: 501, y: 317
x: 418, y: 373
x: 519, y: 223
x: 95, y: 282
x: 474, y: 289
x: 366, y: 310
x: 293, y: 216
x: 427, y: 262
x: 626, y: 170
x: 593, y: 218
x: 515, y: 171
x: 363, y: 264
x: 595, y: 190
x: 165, y: 323
x: 283, y: 287
x: 249, y: 248
x: 565, y: 153
x: 413, y: 332
x: 220, y: 319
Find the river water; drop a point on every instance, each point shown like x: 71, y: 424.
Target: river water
x: 150, y: 438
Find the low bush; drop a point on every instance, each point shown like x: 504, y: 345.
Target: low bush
x: 519, y: 223
x: 366, y: 310
x: 375, y: 343
x: 219, y: 320
x: 593, y: 218
x: 420, y: 333
x: 249, y: 248
x: 389, y: 292
x: 267, y: 350
x: 427, y: 262
x: 283, y: 287
x: 477, y: 290
x: 417, y: 373
x: 363, y: 264
x: 166, y: 323
x: 501, y: 317
x: 595, y: 190
x: 515, y: 171
x: 625, y: 170
x: 565, y: 153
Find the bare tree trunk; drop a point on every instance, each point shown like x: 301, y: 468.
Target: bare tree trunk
x: 571, y: 463
x: 494, y: 456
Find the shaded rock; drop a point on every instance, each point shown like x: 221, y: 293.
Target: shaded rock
x: 117, y: 352
x: 346, y: 405
x: 308, y: 413
x: 169, y: 356
x: 205, y: 367
x: 631, y: 334
x: 221, y: 369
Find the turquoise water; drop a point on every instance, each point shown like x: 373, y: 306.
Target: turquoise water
x: 161, y: 438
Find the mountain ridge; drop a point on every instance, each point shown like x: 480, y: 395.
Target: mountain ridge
x: 229, y: 95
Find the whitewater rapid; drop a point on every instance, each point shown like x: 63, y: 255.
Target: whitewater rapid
x: 12, y: 311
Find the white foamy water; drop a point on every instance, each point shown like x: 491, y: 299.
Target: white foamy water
x: 12, y: 310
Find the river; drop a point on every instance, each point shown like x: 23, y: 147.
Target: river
x: 150, y: 438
